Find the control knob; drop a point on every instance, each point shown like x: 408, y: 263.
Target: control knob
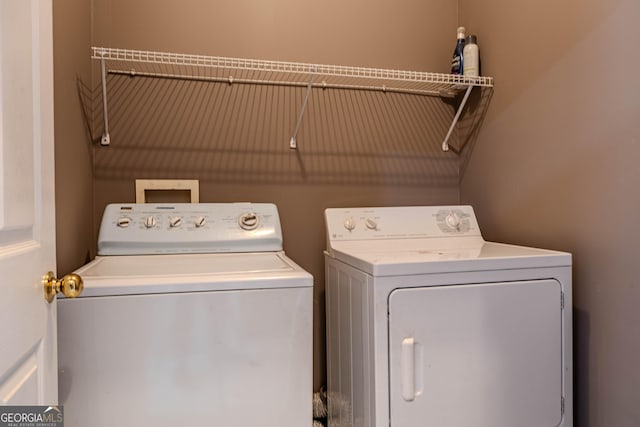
x: 201, y: 221
x: 150, y: 221
x: 123, y: 222
x: 176, y: 221
x: 371, y: 224
x: 350, y: 224
x: 453, y: 220
x: 248, y: 221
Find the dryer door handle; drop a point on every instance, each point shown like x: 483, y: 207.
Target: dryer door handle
x: 411, y: 369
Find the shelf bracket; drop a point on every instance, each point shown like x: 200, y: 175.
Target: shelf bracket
x: 445, y: 143
x: 105, y: 140
x: 293, y: 142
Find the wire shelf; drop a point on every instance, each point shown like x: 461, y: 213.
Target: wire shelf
x: 298, y: 71
x: 253, y: 71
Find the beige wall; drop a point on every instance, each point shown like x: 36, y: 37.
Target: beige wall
x: 380, y: 33
x: 74, y: 180
x: 555, y: 165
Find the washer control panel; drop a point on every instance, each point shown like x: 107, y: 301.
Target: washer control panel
x: 400, y: 222
x: 139, y: 229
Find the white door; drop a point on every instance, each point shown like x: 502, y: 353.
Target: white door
x: 28, y: 362
x: 487, y: 355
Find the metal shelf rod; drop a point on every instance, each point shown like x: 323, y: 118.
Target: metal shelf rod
x: 445, y: 143
x: 293, y: 142
x: 316, y: 85
x: 106, y: 139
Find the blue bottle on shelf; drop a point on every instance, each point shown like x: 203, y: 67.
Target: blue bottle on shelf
x: 457, y: 65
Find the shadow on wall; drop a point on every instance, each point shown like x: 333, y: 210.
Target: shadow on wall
x: 470, y: 124
x: 239, y: 133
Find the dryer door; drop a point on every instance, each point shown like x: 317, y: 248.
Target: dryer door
x: 476, y: 355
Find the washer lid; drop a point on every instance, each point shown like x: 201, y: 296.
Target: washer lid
x: 146, y: 274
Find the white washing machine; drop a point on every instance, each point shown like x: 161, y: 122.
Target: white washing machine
x: 429, y: 325
x: 191, y: 315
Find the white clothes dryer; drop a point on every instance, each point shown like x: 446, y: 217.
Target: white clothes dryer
x: 191, y: 315
x: 429, y: 325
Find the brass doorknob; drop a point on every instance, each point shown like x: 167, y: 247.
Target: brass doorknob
x: 71, y: 286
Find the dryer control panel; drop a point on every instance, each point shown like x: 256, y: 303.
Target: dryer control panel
x: 139, y: 229
x: 409, y: 222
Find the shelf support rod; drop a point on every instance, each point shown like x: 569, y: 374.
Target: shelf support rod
x: 105, y: 140
x: 293, y: 142
x: 445, y: 143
